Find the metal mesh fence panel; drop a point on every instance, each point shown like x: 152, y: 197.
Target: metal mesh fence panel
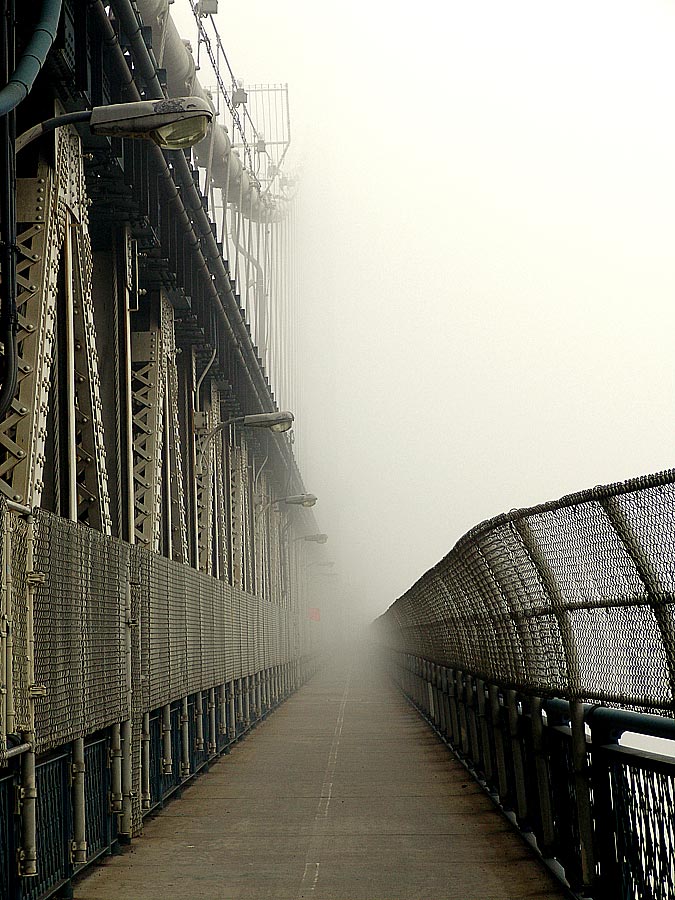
x: 574, y: 598
x: 79, y: 629
x: 59, y: 716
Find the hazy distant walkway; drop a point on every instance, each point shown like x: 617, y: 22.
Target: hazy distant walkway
x: 343, y: 794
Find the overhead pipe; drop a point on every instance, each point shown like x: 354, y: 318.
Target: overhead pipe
x: 181, y: 72
x: 198, y: 222
x: 32, y: 59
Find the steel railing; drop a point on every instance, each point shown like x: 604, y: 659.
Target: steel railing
x: 541, y: 638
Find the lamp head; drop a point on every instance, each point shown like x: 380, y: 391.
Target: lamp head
x: 316, y: 538
x: 174, y: 124
x: 306, y: 500
x: 275, y: 421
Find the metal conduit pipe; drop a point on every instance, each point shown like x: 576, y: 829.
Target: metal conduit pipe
x: 224, y: 300
x: 32, y: 59
x: 145, y: 763
x: 167, y: 761
x: 115, y: 769
x: 184, y: 738
x: 79, y: 812
x: 227, y: 172
x: 232, y: 712
x: 213, y: 738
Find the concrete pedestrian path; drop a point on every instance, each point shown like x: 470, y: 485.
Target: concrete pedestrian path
x: 344, y: 793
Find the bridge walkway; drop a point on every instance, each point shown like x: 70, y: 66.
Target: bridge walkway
x: 342, y: 794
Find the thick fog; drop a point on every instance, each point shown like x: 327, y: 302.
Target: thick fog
x: 488, y: 246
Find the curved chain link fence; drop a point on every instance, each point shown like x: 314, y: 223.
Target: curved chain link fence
x: 574, y: 598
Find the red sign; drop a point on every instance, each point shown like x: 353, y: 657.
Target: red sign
x: 314, y: 614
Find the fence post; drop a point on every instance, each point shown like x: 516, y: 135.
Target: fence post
x: 184, y: 738
x: 79, y: 844
x: 146, y: 798
x: 167, y: 761
x: 543, y: 783
x: 496, y: 715
x: 520, y: 795
x: 582, y: 790
x: 213, y: 737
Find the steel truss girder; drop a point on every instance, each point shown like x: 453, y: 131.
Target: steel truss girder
x: 49, y: 206
x: 156, y: 436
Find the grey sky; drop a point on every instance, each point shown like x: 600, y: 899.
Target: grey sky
x: 488, y: 224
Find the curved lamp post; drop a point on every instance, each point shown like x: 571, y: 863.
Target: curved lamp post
x: 275, y: 421
x: 314, y: 538
x: 173, y: 124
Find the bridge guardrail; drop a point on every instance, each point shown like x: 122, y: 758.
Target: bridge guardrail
x: 517, y: 645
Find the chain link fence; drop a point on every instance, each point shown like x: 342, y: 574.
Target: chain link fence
x: 574, y: 599
x: 188, y: 632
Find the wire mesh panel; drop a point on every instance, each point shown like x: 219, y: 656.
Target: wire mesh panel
x: 574, y: 598
x: 104, y: 572
x: 59, y: 656
x: 79, y: 629
x: 192, y: 635
x: 158, y: 632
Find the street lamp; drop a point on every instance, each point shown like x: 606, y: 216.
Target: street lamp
x: 315, y: 538
x: 306, y: 500
x: 173, y: 124
x: 274, y: 421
